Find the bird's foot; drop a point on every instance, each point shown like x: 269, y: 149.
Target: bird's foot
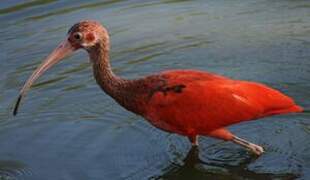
x: 256, y: 149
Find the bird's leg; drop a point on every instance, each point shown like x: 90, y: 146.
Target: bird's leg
x: 193, y: 140
x: 224, y: 134
x: 256, y: 149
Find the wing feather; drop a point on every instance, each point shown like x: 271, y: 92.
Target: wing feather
x: 208, y: 103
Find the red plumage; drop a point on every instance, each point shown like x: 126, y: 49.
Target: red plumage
x: 208, y: 102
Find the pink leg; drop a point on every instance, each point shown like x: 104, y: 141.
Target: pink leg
x: 193, y: 140
x: 224, y: 134
x: 256, y: 149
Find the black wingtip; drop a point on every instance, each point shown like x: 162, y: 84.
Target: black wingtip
x: 17, y: 105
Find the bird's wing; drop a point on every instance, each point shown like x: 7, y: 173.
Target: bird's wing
x: 204, y: 102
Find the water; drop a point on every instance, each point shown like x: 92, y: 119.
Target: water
x: 67, y: 128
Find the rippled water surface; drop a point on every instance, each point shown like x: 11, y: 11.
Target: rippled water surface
x: 68, y: 128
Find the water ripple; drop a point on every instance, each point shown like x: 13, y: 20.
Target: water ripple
x: 72, y: 9
x: 11, y: 170
x: 26, y: 5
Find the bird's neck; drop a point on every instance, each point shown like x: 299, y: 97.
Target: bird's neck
x: 118, y: 88
x: 103, y: 73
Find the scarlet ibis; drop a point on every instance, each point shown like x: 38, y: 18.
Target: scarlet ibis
x: 186, y: 102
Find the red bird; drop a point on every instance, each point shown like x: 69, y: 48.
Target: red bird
x: 186, y: 102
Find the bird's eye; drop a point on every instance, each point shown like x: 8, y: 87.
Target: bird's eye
x: 77, y: 36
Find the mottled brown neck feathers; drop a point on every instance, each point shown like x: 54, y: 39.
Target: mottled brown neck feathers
x: 119, y: 89
x: 103, y: 73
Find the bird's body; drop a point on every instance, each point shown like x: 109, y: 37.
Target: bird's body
x: 187, y: 102
x: 191, y: 102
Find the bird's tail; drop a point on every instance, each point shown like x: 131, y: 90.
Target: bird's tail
x: 295, y: 108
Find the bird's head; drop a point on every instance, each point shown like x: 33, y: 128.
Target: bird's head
x: 86, y: 34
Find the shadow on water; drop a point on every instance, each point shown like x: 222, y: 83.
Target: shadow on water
x: 10, y: 170
x: 193, y: 168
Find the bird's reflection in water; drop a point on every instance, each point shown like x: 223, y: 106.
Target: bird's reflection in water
x: 194, y: 168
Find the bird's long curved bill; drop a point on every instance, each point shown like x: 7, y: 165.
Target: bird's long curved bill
x: 63, y: 49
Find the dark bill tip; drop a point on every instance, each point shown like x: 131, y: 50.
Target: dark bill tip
x: 17, y: 105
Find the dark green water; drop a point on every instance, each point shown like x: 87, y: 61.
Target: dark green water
x: 68, y: 128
